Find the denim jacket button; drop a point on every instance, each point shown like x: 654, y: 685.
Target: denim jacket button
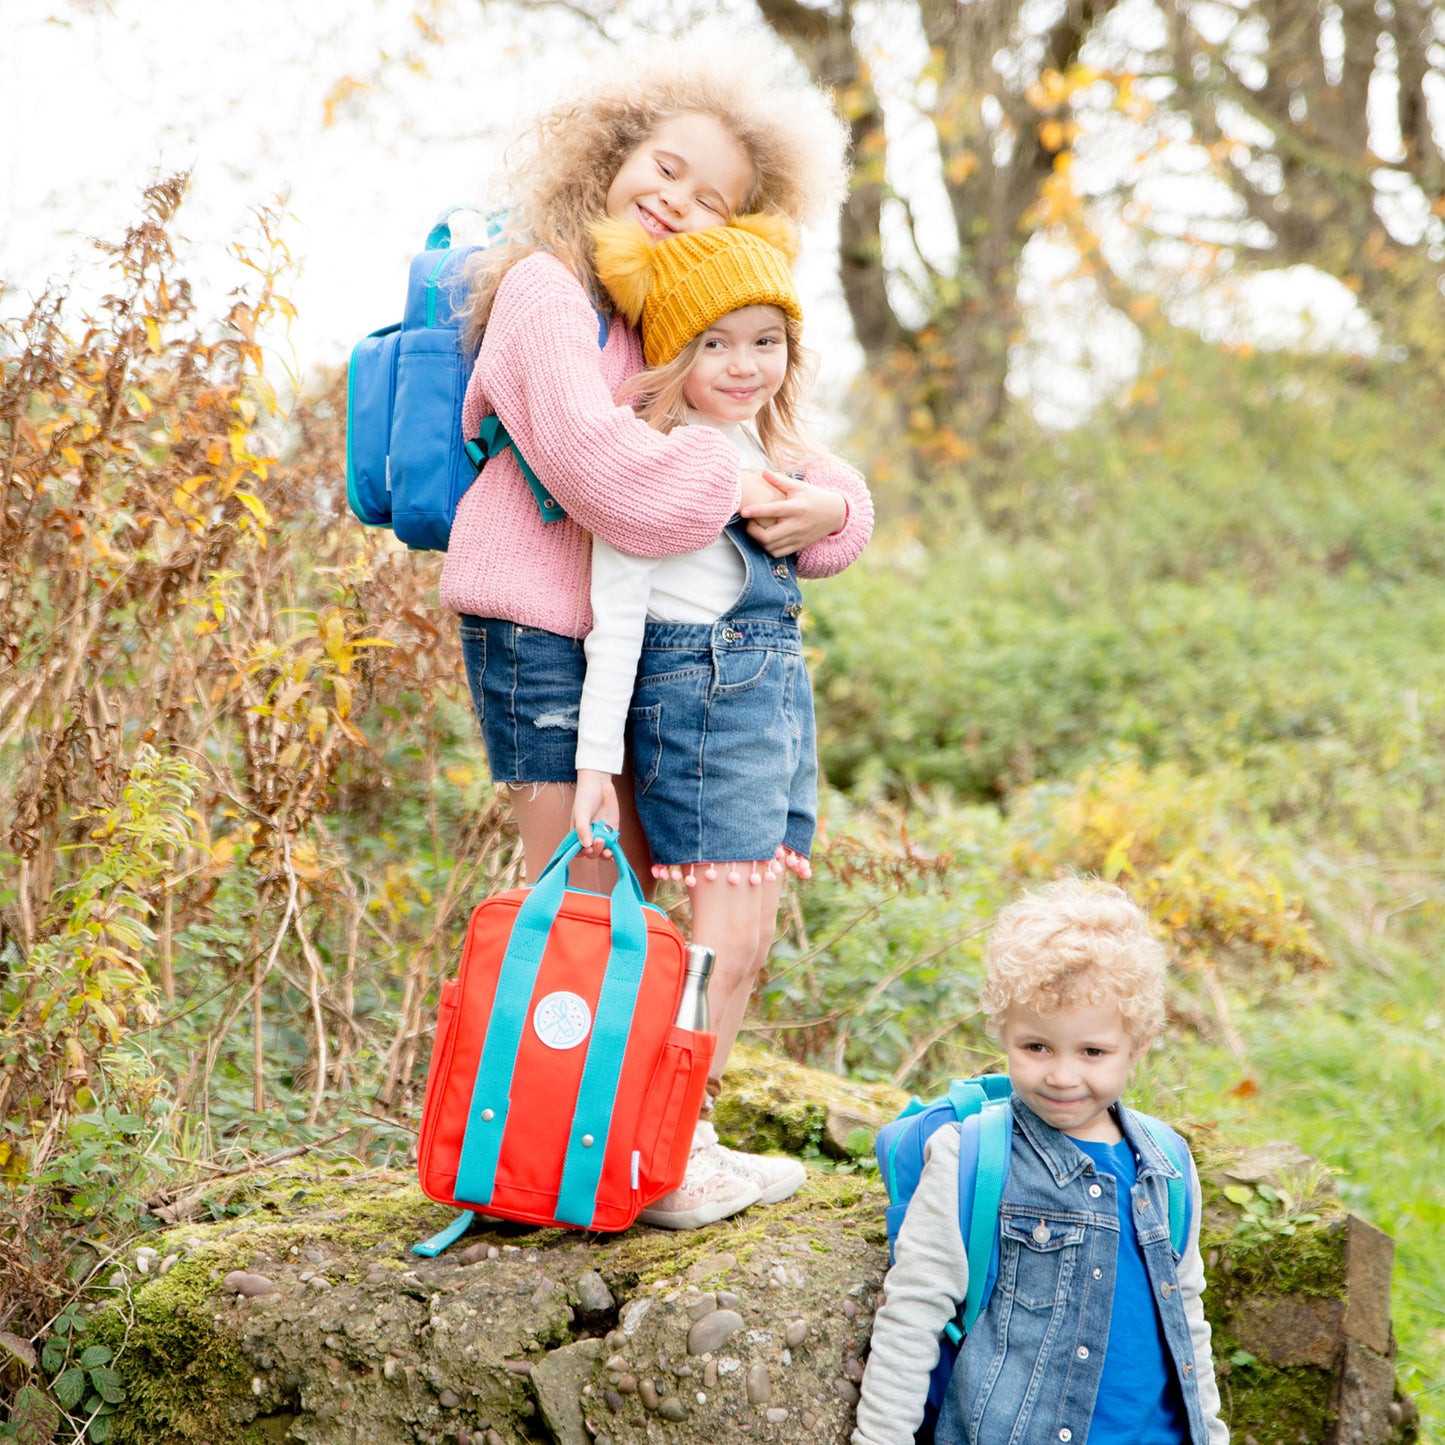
x: 1041, y: 1233
x: 1098, y: 1273
x: 1066, y: 1434
x: 1094, y: 1191
x: 1142, y: 1205
x: 1166, y: 1289
x: 1083, y: 1352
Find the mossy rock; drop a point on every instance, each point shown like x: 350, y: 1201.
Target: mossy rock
x: 494, y: 1335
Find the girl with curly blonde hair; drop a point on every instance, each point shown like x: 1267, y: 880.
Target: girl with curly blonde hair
x: 682, y: 136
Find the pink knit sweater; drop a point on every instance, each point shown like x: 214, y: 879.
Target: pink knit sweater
x: 654, y: 495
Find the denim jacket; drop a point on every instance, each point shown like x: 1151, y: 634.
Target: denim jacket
x: 1029, y: 1370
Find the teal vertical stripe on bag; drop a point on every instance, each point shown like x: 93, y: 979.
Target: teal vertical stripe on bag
x: 592, y: 1119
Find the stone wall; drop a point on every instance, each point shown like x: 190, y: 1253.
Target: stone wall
x: 307, y: 1319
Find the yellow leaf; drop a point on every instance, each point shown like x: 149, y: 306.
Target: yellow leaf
x: 247, y: 409
x: 255, y: 506
x: 153, y: 335
x: 316, y: 724
x: 1051, y: 135
x: 107, y: 1016
x: 342, y: 689
x: 71, y: 455
x: 1117, y: 859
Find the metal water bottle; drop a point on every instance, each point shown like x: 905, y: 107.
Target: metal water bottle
x: 692, y: 1011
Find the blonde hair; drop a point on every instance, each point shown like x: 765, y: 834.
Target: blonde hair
x: 560, y: 169
x: 1077, y: 942
x: 656, y: 396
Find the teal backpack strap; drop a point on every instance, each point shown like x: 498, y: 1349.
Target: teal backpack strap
x: 995, y: 1130
x: 447, y: 1237
x: 492, y: 440
x: 1175, y: 1150
x: 969, y: 1096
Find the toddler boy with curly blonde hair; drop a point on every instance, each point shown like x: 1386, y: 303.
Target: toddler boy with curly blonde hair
x: 1095, y: 1327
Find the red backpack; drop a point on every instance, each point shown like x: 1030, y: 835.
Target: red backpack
x: 560, y: 1091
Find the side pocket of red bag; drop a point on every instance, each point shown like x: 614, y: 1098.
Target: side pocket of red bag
x: 664, y: 1128
x: 436, y: 1073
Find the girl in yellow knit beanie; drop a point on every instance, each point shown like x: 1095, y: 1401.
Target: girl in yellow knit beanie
x: 695, y: 663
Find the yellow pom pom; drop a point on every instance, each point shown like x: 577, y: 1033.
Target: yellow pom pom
x: 624, y: 264
x: 770, y: 226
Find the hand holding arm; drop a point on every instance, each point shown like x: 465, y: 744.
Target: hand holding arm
x: 803, y: 514
x: 758, y: 492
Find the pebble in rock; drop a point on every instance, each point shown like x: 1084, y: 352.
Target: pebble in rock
x: 168, y: 1263
x: 614, y: 1400
x: 727, y: 1300
x: 517, y: 1367
x: 628, y: 1384
x: 759, y: 1385
x: 809, y: 1420
x: 846, y: 1390
x: 389, y: 1368
x: 592, y: 1293
x: 614, y: 1340
x: 850, y: 1309
x: 318, y: 1282
x: 704, y: 1304
x: 474, y: 1254
x: 853, y: 1370
x: 796, y: 1333
x: 712, y: 1330
x: 647, y: 1393
x: 709, y: 1375
x: 242, y: 1282
x: 672, y: 1409
x: 494, y: 1437
x: 449, y: 1399
x: 776, y: 1415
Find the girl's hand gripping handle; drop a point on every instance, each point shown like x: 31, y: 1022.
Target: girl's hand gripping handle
x: 595, y: 801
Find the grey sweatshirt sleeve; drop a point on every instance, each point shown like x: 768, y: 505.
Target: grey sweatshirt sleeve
x: 923, y: 1292
x: 1191, y: 1290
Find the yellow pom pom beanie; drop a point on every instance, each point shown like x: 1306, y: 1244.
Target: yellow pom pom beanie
x: 678, y: 286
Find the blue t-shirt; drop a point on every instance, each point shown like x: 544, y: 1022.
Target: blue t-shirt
x: 1139, y: 1401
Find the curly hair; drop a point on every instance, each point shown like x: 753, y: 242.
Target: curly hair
x: 558, y: 172
x: 1078, y: 941
x: 656, y: 396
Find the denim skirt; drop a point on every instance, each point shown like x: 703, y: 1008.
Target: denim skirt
x: 722, y: 741
x: 526, y: 687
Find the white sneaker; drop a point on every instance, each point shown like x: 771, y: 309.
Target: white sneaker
x: 711, y: 1189
x: 776, y: 1175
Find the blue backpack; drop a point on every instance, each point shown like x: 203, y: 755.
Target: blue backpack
x: 407, y: 462
x: 980, y: 1108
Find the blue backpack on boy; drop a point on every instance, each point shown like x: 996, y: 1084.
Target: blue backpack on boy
x: 980, y: 1107
x: 407, y: 462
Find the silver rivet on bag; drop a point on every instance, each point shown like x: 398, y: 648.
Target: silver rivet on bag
x: 487, y: 1115
x: 586, y: 1141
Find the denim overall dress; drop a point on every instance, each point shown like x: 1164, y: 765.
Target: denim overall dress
x: 721, y: 725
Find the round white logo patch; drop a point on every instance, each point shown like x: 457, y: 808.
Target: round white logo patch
x: 562, y: 1020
